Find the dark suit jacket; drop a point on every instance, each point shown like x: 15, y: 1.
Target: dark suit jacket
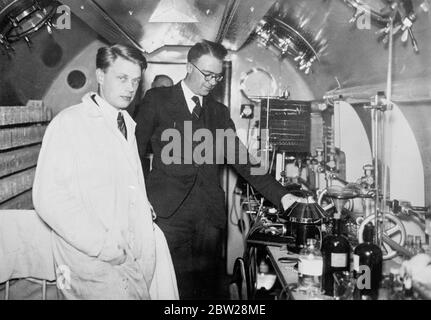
x: 168, y: 185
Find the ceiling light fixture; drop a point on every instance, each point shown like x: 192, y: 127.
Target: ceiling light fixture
x: 173, y: 11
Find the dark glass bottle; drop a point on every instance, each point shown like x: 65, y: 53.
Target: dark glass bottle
x: 407, y: 288
x: 367, y: 266
x: 395, y: 285
x: 336, y: 257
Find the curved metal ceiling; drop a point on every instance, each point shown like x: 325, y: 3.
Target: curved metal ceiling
x: 343, y: 50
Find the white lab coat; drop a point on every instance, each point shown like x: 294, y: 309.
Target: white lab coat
x: 89, y: 188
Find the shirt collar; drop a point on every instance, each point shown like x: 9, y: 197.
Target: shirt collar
x: 188, y: 94
x: 112, y: 112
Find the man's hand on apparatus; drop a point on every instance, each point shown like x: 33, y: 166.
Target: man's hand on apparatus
x: 419, y: 269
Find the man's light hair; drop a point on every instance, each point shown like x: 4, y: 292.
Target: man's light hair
x: 106, y: 56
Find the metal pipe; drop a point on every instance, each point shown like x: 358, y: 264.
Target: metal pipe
x: 402, y: 91
x: 283, y: 168
x: 267, y: 128
x: 226, y: 98
x: 227, y: 93
x: 390, y: 59
x: 394, y: 245
x: 381, y: 159
x: 228, y: 15
x: 385, y: 117
x: 374, y: 115
x: 379, y: 164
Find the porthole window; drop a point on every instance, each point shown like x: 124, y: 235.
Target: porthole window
x: 76, y: 79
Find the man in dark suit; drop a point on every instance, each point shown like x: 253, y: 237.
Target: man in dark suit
x: 183, y: 190
x: 160, y: 80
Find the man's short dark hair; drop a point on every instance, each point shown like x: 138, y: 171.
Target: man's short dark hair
x: 162, y: 76
x: 206, y: 47
x: 159, y: 79
x: 107, y: 55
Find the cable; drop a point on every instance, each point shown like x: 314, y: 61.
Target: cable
x: 240, y: 218
x: 232, y: 208
x: 248, y: 134
x: 273, y: 159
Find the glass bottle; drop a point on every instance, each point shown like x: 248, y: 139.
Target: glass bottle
x: 265, y: 279
x: 396, y: 285
x: 407, y: 288
x: 418, y: 245
x: 385, y: 288
x: 263, y: 267
x: 336, y: 256
x: 321, y: 176
x: 367, y: 266
x: 310, y: 267
x: 410, y: 243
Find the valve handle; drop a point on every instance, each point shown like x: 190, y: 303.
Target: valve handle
x: 396, y: 233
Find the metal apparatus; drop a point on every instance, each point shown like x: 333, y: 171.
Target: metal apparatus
x: 288, y: 41
x: 373, y: 185
x: 20, y: 18
x: 394, y: 233
x: 305, y: 221
x: 394, y: 16
x: 340, y: 195
x: 378, y: 107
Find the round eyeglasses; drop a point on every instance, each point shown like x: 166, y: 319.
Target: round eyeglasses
x: 209, y: 76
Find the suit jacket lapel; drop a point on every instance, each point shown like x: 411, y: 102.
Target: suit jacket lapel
x: 210, y: 114
x: 177, y: 106
x: 178, y: 110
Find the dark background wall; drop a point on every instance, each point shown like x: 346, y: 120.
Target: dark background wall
x: 30, y: 72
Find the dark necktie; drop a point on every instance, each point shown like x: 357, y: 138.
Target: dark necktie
x: 197, y: 109
x: 122, y: 124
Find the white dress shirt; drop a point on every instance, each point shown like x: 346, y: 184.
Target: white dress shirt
x: 188, y: 94
x: 112, y: 114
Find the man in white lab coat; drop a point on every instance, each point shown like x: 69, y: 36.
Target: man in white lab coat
x: 89, y: 188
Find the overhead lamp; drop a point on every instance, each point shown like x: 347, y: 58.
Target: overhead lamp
x: 173, y: 11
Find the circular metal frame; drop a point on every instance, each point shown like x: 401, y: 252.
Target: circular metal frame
x: 324, y: 194
x: 287, y: 41
x: 298, y: 36
x: 15, y: 17
x: 243, y: 85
